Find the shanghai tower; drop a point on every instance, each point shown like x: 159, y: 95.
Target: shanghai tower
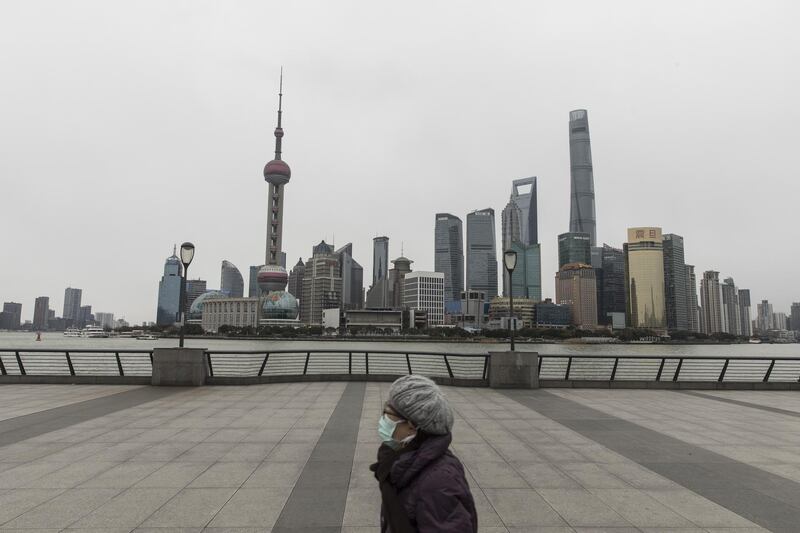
x: 581, y: 213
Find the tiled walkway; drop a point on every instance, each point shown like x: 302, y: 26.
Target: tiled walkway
x: 294, y: 458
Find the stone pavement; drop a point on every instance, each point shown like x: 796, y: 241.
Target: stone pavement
x: 294, y: 458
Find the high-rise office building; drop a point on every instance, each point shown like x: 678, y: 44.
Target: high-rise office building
x: 582, y: 217
x: 481, y: 253
x: 574, y: 248
x: 85, y: 316
x: 744, y: 312
x: 322, y: 284
x: 352, y: 278
x: 424, y: 291
x: 794, y: 317
x: 576, y: 288
x: 780, y: 321
x: 252, y: 287
x: 194, y: 288
x: 692, y: 308
x: 41, y: 312
x: 231, y: 280
x: 520, y: 232
x: 295, y: 287
x: 169, y: 292
x: 449, y: 254
x: 72, y: 304
x: 612, y: 285
x: 675, y: 283
x: 400, y: 267
x: 104, y: 320
x: 380, y: 259
x: 14, y: 316
x: 731, y: 312
x: 644, y: 279
x: 765, y: 319
x: 711, y: 319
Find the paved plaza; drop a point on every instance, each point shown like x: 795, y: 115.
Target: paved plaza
x: 294, y: 458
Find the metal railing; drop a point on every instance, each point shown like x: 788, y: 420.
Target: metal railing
x: 43, y: 362
x: 669, y: 369
x: 257, y: 364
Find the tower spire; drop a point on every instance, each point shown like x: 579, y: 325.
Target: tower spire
x: 279, y: 129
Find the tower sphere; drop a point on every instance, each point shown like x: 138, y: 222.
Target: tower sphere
x: 272, y: 278
x: 277, y: 172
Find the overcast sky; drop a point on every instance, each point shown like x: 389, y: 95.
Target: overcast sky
x: 126, y: 127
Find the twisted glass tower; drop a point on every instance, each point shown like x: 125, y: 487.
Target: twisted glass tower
x: 581, y: 213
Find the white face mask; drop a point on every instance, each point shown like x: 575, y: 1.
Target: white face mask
x: 386, y: 429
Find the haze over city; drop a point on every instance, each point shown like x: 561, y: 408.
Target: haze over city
x: 132, y: 127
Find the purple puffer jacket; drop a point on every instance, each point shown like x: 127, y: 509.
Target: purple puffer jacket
x: 431, y: 484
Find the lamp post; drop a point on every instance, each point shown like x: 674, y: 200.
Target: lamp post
x: 510, y: 262
x: 187, y: 254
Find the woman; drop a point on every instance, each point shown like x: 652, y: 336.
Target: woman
x: 423, y: 488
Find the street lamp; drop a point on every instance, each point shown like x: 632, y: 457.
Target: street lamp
x: 187, y: 254
x: 510, y: 262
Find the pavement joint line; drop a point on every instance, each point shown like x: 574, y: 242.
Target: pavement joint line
x: 742, y: 403
x: 317, y: 501
x: 24, y: 427
x: 717, y: 478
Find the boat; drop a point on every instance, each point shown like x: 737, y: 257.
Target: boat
x: 148, y: 337
x: 94, y: 332
x: 38, y: 335
x: 72, y: 332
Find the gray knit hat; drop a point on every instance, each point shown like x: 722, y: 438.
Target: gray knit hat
x: 420, y: 401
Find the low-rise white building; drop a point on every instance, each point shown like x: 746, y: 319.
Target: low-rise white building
x: 424, y: 291
x: 238, y: 312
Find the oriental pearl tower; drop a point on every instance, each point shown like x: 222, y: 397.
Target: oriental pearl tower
x: 276, y: 303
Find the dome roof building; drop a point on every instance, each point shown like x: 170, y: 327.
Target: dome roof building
x: 196, y: 310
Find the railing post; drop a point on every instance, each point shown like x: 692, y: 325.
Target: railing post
x: 349, y: 363
x: 2, y: 367
x: 210, y: 366
x: 69, y: 364
x: 263, y: 365
x: 151, y: 358
x: 486, y: 365
x: 366, y: 363
x: 305, y: 367
x: 447, y: 364
x: 769, y: 371
x: 408, y: 364
x: 724, y: 369
x: 19, y: 364
x: 119, y: 364
x: 661, y: 368
x: 678, y: 370
x: 539, y: 369
x: 614, y: 370
x: 569, y: 367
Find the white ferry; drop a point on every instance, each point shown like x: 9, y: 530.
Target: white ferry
x: 72, y: 332
x: 94, y: 332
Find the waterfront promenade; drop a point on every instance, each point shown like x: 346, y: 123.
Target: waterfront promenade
x: 294, y: 457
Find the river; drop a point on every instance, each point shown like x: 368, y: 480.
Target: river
x: 57, y: 341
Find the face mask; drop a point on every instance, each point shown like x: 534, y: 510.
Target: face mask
x: 386, y: 428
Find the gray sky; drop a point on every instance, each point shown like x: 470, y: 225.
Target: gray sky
x: 128, y: 126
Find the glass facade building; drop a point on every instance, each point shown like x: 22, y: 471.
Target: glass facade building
x: 169, y: 292
x: 644, y: 279
x: 380, y: 259
x: 231, y: 280
x: 582, y: 217
x: 675, y: 283
x: 611, y: 284
x: 711, y: 317
x: 449, y: 254
x: 41, y: 311
x: 352, y: 278
x: 574, y: 248
x: 692, y: 308
x: 520, y: 231
x: 576, y: 288
x: 72, y: 304
x: 481, y: 253
x: 526, y: 280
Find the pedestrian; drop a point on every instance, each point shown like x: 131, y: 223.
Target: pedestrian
x: 422, y: 484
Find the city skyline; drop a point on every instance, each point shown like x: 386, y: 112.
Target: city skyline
x: 187, y: 135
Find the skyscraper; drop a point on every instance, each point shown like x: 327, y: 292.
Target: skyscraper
x: 169, y: 292
x: 644, y: 279
x: 380, y: 259
x: 582, y: 212
x: 72, y: 304
x: 675, y: 283
x: 194, y: 288
x: 711, y: 319
x: 520, y: 232
x: 41, y: 311
x: 322, y: 284
x: 449, y: 254
x: 692, y: 309
x: 481, y: 252
x: 252, y: 287
x: 765, y: 319
x: 744, y: 310
x: 612, y: 291
x: 296, y: 279
x: 574, y: 248
x: 352, y: 278
x: 424, y: 291
x: 795, y: 317
x: 231, y: 280
x: 731, y: 312
x: 400, y: 267
x: 14, y: 311
x: 576, y: 288
x: 85, y: 316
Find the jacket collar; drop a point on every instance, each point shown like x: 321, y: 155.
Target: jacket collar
x: 411, y: 463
